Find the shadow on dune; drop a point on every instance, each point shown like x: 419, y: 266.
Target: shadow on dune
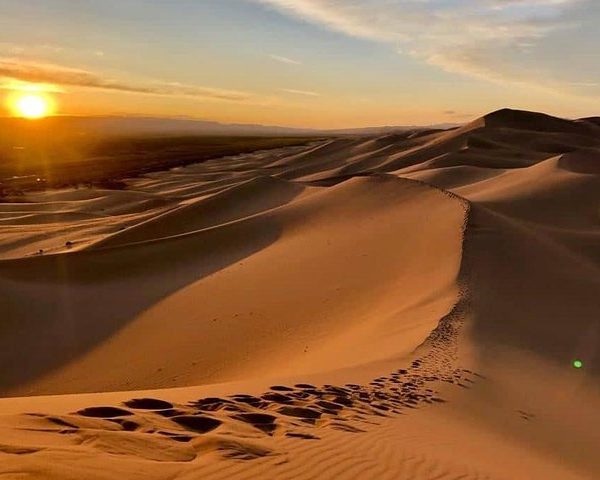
x: 531, y: 247
x: 57, y: 308
x: 530, y: 292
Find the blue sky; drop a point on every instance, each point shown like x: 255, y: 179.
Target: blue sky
x: 324, y: 63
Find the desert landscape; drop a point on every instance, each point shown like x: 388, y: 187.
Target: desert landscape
x: 299, y: 240
x: 419, y: 304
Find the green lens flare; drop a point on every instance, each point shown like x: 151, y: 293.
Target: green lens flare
x: 577, y: 363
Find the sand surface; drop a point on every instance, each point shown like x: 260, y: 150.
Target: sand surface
x: 403, y: 306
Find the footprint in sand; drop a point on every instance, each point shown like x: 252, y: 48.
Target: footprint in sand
x: 104, y: 412
x: 148, y: 404
x: 197, y: 423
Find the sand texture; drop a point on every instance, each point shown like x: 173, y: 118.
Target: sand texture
x: 407, y: 306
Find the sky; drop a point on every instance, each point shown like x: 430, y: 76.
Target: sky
x: 308, y: 63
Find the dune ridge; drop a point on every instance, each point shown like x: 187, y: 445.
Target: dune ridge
x: 400, y: 306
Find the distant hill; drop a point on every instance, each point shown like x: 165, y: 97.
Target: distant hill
x: 115, y: 125
x: 133, y: 126
x: 390, y: 129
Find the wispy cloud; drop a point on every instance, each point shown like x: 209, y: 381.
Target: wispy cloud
x: 58, y: 75
x: 9, y: 48
x: 21, y: 86
x: 289, y: 61
x: 586, y: 84
x: 305, y: 93
x: 457, y: 115
x: 480, y: 38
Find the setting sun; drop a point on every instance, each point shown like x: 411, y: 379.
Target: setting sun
x: 32, y: 105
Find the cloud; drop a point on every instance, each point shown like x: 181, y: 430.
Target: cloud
x: 20, y: 86
x: 287, y: 60
x: 585, y: 84
x: 457, y: 115
x: 52, y: 48
x: 479, y: 38
x: 305, y: 93
x: 51, y: 74
x: 10, y: 48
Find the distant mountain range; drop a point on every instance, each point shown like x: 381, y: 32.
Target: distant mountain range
x: 115, y: 125
x: 390, y: 129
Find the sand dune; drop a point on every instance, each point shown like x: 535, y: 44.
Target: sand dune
x: 401, y: 306
x: 362, y: 268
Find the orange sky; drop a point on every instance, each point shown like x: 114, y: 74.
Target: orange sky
x: 312, y: 63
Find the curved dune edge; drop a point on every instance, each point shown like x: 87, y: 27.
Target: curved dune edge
x: 490, y: 394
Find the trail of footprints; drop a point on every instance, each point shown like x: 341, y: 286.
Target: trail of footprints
x: 298, y: 411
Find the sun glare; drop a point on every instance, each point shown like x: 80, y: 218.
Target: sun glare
x: 32, y: 106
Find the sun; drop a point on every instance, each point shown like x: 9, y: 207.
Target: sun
x: 32, y: 106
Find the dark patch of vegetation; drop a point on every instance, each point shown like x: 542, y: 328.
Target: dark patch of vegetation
x: 41, y: 159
